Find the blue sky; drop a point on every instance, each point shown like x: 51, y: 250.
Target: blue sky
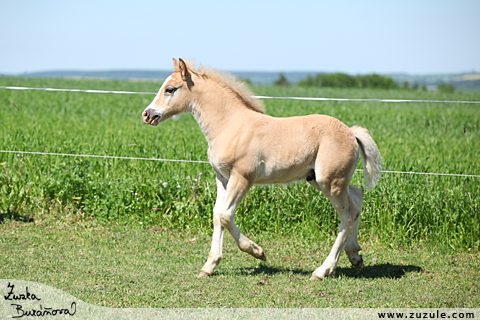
x: 421, y: 36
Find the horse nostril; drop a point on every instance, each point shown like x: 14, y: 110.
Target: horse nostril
x: 150, y: 117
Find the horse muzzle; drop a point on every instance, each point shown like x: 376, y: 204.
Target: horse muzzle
x: 151, y: 116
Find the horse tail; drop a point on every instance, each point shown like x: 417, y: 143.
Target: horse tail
x: 371, y: 158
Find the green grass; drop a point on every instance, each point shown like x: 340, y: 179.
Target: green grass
x: 130, y: 233
x: 426, y: 137
x: 134, y: 266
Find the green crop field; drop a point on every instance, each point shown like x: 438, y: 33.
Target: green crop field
x: 404, y: 211
x: 421, y: 137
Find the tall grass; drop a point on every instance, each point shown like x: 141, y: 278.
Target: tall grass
x: 425, y: 137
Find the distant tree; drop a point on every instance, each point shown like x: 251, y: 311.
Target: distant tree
x: 406, y: 85
x: 309, y: 81
x: 376, y: 81
x: 337, y: 80
x: 446, y: 88
x: 342, y: 80
x: 282, y: 80
x: 415, y: 86
x: 424, y: 87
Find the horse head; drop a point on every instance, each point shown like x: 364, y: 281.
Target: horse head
x: 174, y: 96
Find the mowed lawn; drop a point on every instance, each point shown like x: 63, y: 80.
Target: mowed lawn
x: 132, y: 266
x: 134, y: 233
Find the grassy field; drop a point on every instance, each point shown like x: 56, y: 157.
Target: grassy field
x: 425, y: 137
x: 406, y: 218
x: 134, y: 266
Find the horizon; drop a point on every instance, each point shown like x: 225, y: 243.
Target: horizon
x: 313, y: 72
x: 461, y: 81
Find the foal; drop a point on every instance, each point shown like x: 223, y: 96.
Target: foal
x: 246, y: 147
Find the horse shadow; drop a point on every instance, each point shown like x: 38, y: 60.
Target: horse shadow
x: 385, y: 271
x: 265, y: 270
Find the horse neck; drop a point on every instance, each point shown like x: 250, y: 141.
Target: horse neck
x: 215, y: 109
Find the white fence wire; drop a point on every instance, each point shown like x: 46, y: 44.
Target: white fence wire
x: 259, y: 97
x: 206, y: 162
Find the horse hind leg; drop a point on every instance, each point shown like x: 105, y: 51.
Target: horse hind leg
x: 349, y: 213
x: 352, y: 247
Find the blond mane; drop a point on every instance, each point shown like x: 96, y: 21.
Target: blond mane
x: 231, y: 83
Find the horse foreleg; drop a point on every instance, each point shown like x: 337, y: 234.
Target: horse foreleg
x: 237, y: 188
x: 215, y: 255
x: 245, y: 244
x: 229, y: 196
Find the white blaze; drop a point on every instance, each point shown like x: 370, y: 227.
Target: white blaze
x: 152, y: 104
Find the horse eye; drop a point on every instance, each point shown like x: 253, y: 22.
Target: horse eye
x: 169, y: 90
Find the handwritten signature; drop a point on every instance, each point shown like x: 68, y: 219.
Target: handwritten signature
x: 39, y: 312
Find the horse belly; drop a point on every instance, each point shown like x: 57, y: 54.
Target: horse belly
x: 282, y: 174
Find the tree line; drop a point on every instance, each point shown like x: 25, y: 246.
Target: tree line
x: 371, y: 81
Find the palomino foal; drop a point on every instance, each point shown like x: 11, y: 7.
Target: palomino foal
x: 246, y: 147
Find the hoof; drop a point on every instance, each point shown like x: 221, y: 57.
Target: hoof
x: 315, y: 277
x: 322, y: 273
x: 203, y: 274
x: 359, y: 264
x: 263, y: 256
x: 256, y: 251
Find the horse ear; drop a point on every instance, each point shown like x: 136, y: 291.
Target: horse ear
x: 175, y: 65
x: 183, y: 69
